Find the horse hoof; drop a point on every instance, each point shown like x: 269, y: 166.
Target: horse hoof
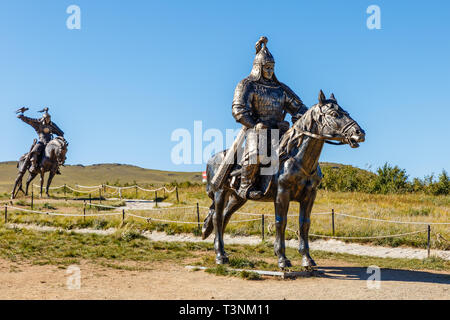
x: 284, y: 263
x: 222, y: 260
x: 308, y: 262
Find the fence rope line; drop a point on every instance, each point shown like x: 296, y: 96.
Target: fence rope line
x: 50, y: 188
x: 81, y: 191
x: 142, y: 189
x: 177, y: 221
x: 354, y: 238
x: 269, y: 215
x: 66, y: 214
x: 89, y: 187
x: 392, y: 221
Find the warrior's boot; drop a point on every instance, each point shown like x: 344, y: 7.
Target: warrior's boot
x: 248, y: 177
x: 33, y: 159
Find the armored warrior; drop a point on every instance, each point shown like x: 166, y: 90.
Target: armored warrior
x: 261, y: 102
x: 45, y: 129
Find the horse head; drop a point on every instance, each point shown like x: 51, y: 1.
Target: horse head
x: 60, y: 149
x: 329, y: 121
x: 325, y: 121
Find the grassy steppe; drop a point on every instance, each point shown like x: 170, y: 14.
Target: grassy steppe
x: 405, y: 207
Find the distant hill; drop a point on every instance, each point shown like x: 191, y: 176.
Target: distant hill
x: 108, y: 172
x: 100, y: 173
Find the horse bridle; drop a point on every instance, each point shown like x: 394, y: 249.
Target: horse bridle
x: 328, y: 139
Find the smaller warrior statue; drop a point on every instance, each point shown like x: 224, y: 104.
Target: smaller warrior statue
x: 45, y: 129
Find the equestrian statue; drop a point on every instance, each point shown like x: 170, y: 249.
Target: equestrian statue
x: 238, y: 174
x: 46, y: 154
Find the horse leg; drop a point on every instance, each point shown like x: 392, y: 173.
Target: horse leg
x: 42, y: 183
x: 304, y: 223
x: 16, y: 184
x: 233, y: 204
x: 219, y: 200
x: 281, y: 209
x: 29, y: 179
x: 49, y: 181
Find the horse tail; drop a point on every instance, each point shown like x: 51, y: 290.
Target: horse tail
x: 208, y: 226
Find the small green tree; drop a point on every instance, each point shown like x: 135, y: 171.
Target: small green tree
x: 390, y: 180
x: 442, y: 186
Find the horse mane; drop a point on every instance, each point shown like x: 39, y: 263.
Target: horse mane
x: 294, y: 136
x: 58, y: 143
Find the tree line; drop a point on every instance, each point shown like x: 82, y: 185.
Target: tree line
x: 387, y: 179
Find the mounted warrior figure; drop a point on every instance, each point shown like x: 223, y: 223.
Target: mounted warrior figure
x: 46, y: 154
x: 260, y: 104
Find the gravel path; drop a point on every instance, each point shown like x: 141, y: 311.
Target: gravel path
x: 323, y: 245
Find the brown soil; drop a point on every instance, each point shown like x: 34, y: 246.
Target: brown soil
x: 20, y: 280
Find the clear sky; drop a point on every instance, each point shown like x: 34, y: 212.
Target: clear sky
x: 138, y: 70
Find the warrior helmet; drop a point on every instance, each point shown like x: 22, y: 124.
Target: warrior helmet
x: 262, y: 57
x: 263, y: 54
x: 46, y: 116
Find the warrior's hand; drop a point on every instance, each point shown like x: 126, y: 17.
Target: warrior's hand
x: 260, y: 126
x: 283, y: 125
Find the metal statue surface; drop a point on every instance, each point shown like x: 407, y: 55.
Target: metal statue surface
x: 261, y: 101
x: 46, y: 154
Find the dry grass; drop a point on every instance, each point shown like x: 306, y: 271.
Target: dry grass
x: 406, y: 207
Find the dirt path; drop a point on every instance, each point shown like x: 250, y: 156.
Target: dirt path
x: 169, y: 281
x: 323, y: 245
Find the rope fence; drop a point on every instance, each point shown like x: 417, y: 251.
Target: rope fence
x: 258, y: 217
x: 89, y: 190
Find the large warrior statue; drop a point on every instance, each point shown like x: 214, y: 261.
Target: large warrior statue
x: 46, y: 153
x: 260, y: 103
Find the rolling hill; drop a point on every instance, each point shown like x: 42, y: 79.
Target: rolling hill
x: 109, y: 172
x: 100, y: 173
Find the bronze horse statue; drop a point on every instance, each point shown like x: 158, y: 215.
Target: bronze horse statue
x: 297, y: 178
x: 53, y: 157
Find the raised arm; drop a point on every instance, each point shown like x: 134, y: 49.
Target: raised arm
x: 31, y: 121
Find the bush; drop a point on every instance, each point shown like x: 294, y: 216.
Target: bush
x: 390, y: 180
x: 387, y: 179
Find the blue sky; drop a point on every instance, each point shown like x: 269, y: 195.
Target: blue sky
x: 138, y: 70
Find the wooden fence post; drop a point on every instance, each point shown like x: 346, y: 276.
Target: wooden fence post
x: 198, y: 218
x: 332, y: 220
x: 428, y: 240
x: 100, y: 194
x: 123, y: 215
x: 136, y: 192
x: 176, y: 191
x: 156, y: 199
x: 84, y: 210
x: 6, y: 213
x: 32, y: 199
x: 262, y: 227
x: 90, y: 201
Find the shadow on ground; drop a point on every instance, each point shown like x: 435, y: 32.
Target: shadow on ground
x: 357, y: 273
